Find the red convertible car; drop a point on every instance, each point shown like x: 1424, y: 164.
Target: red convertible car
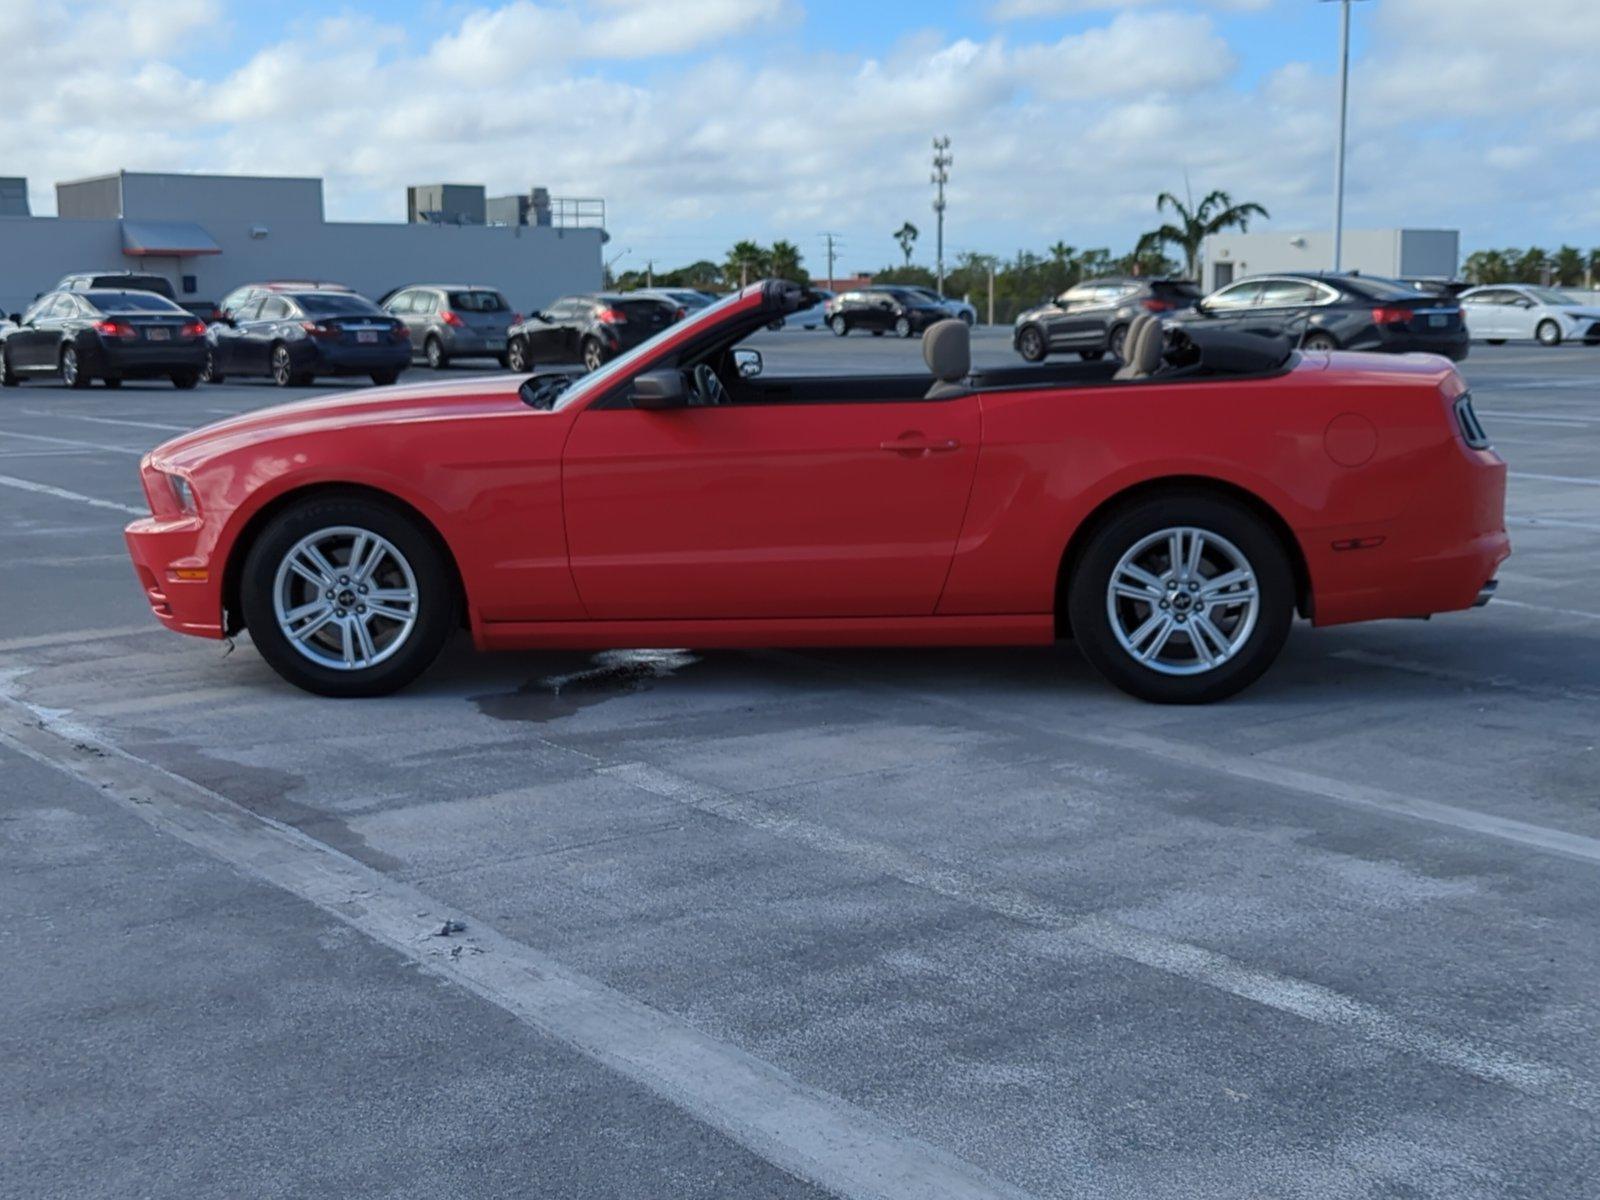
x: 1171, y: 515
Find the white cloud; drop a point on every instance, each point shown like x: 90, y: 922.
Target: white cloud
x: 1463, y: 113
x: 1020, y: 10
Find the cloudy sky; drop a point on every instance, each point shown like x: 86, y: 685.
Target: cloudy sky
x: 705, y: 121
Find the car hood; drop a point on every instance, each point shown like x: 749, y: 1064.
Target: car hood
x: 365, y: 408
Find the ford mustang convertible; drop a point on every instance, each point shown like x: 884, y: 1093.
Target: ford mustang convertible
x: 1171, y: 514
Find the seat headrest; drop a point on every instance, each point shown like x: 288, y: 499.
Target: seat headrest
x: 947, y: 349
x: 1143, y: 348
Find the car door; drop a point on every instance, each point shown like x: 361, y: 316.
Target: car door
x: 27, y: 347
x: 224, y: 335
x: 1485, y: 313
x: 768, y: 510
x: 1281, y: 307
x: 1230, y: 307
x: 253, y: 348
x: 1519, y: 314
x: 399, y: 306
x: 1065, y: 313
x: 543, y: 334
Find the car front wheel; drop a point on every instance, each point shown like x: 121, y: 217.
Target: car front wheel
x: 1317, y: 339
x: 594, y: 356
x: 1031, y: 345
x: 209, y: 372
x: 72, y: 372
x: 346, y: 596
x: 839, y: 326
x: 1182, y: 598
x: 517, y: 355
x: 902, y: 328
x: 433, y: 351
x: 1548, y: 333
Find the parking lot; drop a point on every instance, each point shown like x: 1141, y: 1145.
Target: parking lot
x: 872, y: 923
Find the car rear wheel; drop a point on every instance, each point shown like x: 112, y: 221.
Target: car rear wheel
x: 1117, y: 342
x: 385, y: 378
x: 1182, y: 598
x: 1548, y: 333
x: 1031, y: 345
x: 594, y: 355
x: 839, y: 326
x: 183, y: 381
x: 517, y: 355
x: 346, y: 596
x: 208, y: 373
x: 433, y: 351
x: 72, y: 372
x: 1319, y: 339
x: 902, y: 328
x: 968, y: 318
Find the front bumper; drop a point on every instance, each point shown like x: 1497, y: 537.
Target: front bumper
x: 178, y: 581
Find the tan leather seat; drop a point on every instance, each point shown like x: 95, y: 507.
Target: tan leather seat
x: 1143, y: 348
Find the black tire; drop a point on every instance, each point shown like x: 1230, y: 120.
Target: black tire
x: 8, y: 377
x: 1547, y: 333
x: 504, y: 360
x: 968, y: 318
x: 1089, y: 586
x: 1091, y: 355
x: 902, y: 328
x: 436, y: 595
x: 1495, y: 341
x: 385, y: 378
x: 280, y: 365
x: 113, y: 384
x: 1117, y: 341
x: 72, y: 372
x: 185, y: 380
x: 1031, y: 344
x: 433, y: 351
x: 517, y: 355
x: 840, y: 326
x: 208, y: 373
x: 1319, y: 340
x: 594, y: 355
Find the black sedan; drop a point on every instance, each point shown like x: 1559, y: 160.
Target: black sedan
x: 882, y: 310
x: 591, y: 330
x: 105, y: 335
x: 294, y: 336
x: 1337, y: 312
x: 1092, y: 318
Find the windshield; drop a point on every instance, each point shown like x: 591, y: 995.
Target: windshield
x: 1548, y: 295
x: 478, y: 302
x: 334, y: 304
x: 620, y: 368
x: 122, y: 302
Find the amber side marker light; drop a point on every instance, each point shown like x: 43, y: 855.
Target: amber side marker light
x: 191, y: 574
x: 1367, y: 543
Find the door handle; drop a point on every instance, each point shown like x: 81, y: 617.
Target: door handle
x: 915, y: 443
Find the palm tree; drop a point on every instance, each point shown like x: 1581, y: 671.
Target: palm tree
x: 783, y: 262
x: 1212, y: 215
x: 907, y: 236
x: 746, y: 261
x: 1567, y: 265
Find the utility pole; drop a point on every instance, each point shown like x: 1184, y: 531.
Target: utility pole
x: 831, y: 238
x: 1344, y: 121
x: 991, y: 291
x: 942, y: 162
x: 650, y: 273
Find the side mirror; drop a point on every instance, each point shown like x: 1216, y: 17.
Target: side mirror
x: 14, y: 318
x: 748, y: 363
x: 658, y: 390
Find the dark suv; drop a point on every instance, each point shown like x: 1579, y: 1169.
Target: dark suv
x: 1337, y: 312
x: 1092, y: 317
x: 882, y: 310
x: 591, y: 330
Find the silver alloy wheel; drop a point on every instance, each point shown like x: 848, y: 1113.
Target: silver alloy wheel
x: 1183, y: 601
x: 345, y: 598
x: 434, y: 353
x: 517, y: 356
x: 902, y: 328
x: 1118, y: 341
x: 282, y: 368
x: 1548, y: 333
x: 208, y: 369
x: 593, y: 358
x: 1031, y: 344
x: 839, y: 326
x: 1317, y: 340
x: 69, y: 366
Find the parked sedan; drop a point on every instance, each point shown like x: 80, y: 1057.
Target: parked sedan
x: 447, y: 321
x: 959, y: 309
x: 1335, y: 312
x: 294, y: 336
x: 591, y: 330
x: 683, y: 300
x: 1092, y: 318
x: 881, y: 310
x: 1501, y: 312
x: 682, y: 497
x: 104, y: 335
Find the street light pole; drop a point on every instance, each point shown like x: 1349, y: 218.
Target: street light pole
x: 941, y: 176
x: 1344, y: 118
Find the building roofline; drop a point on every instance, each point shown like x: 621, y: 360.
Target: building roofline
x: 123, y: 173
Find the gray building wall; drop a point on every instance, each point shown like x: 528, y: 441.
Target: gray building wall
x: 531, y: 265
x: 1430, y: 253
x: 13, y: 196
x: 456, y: 203
x: 99, y: 198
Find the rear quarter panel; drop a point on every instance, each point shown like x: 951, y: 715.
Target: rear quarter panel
x: 1053, y: 459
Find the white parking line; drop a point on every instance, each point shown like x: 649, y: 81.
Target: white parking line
x: 1545, y: 608
x: 55, y: 441
x: 49, y: 489
x: 75, y: 636
x: 1551, y: 522
x: 1557, y: 420
x: 811, y: 1134
x: 1580, y: 480
x: 33, y: 412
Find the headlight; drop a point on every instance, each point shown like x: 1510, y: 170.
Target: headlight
x: 182, y: 489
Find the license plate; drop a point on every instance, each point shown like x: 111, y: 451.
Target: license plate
x: 366, y: 335
x: 496, y: 343
x: 1438, y: 320
x: 158, y: 335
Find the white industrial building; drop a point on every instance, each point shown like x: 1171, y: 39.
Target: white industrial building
x: 210, y: 233
x: 1396, y: 253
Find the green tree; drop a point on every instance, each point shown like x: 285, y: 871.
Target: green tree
x: 747, y: 261
x: 1487, y: 266
x: 783, y: 262
x: 907, y: 236
x: 1568, y: 267
x: 1212, y: 215
x: 1530, y: 265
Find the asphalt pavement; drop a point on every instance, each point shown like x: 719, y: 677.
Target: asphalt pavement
x: 870, y: 923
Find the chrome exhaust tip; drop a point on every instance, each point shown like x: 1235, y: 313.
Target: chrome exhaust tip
x: 1486, y: 593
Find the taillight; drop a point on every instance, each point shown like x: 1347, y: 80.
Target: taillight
x: 1154, y: 305
x: 516, y: 318
x: 194, y: 329
x: 116, y: 329
x: 610, y: 316
x: 680, y: 314
x: 1390, y: 314
x: 317, y: 330
x: 399, y: 332
x: 450, y: 318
